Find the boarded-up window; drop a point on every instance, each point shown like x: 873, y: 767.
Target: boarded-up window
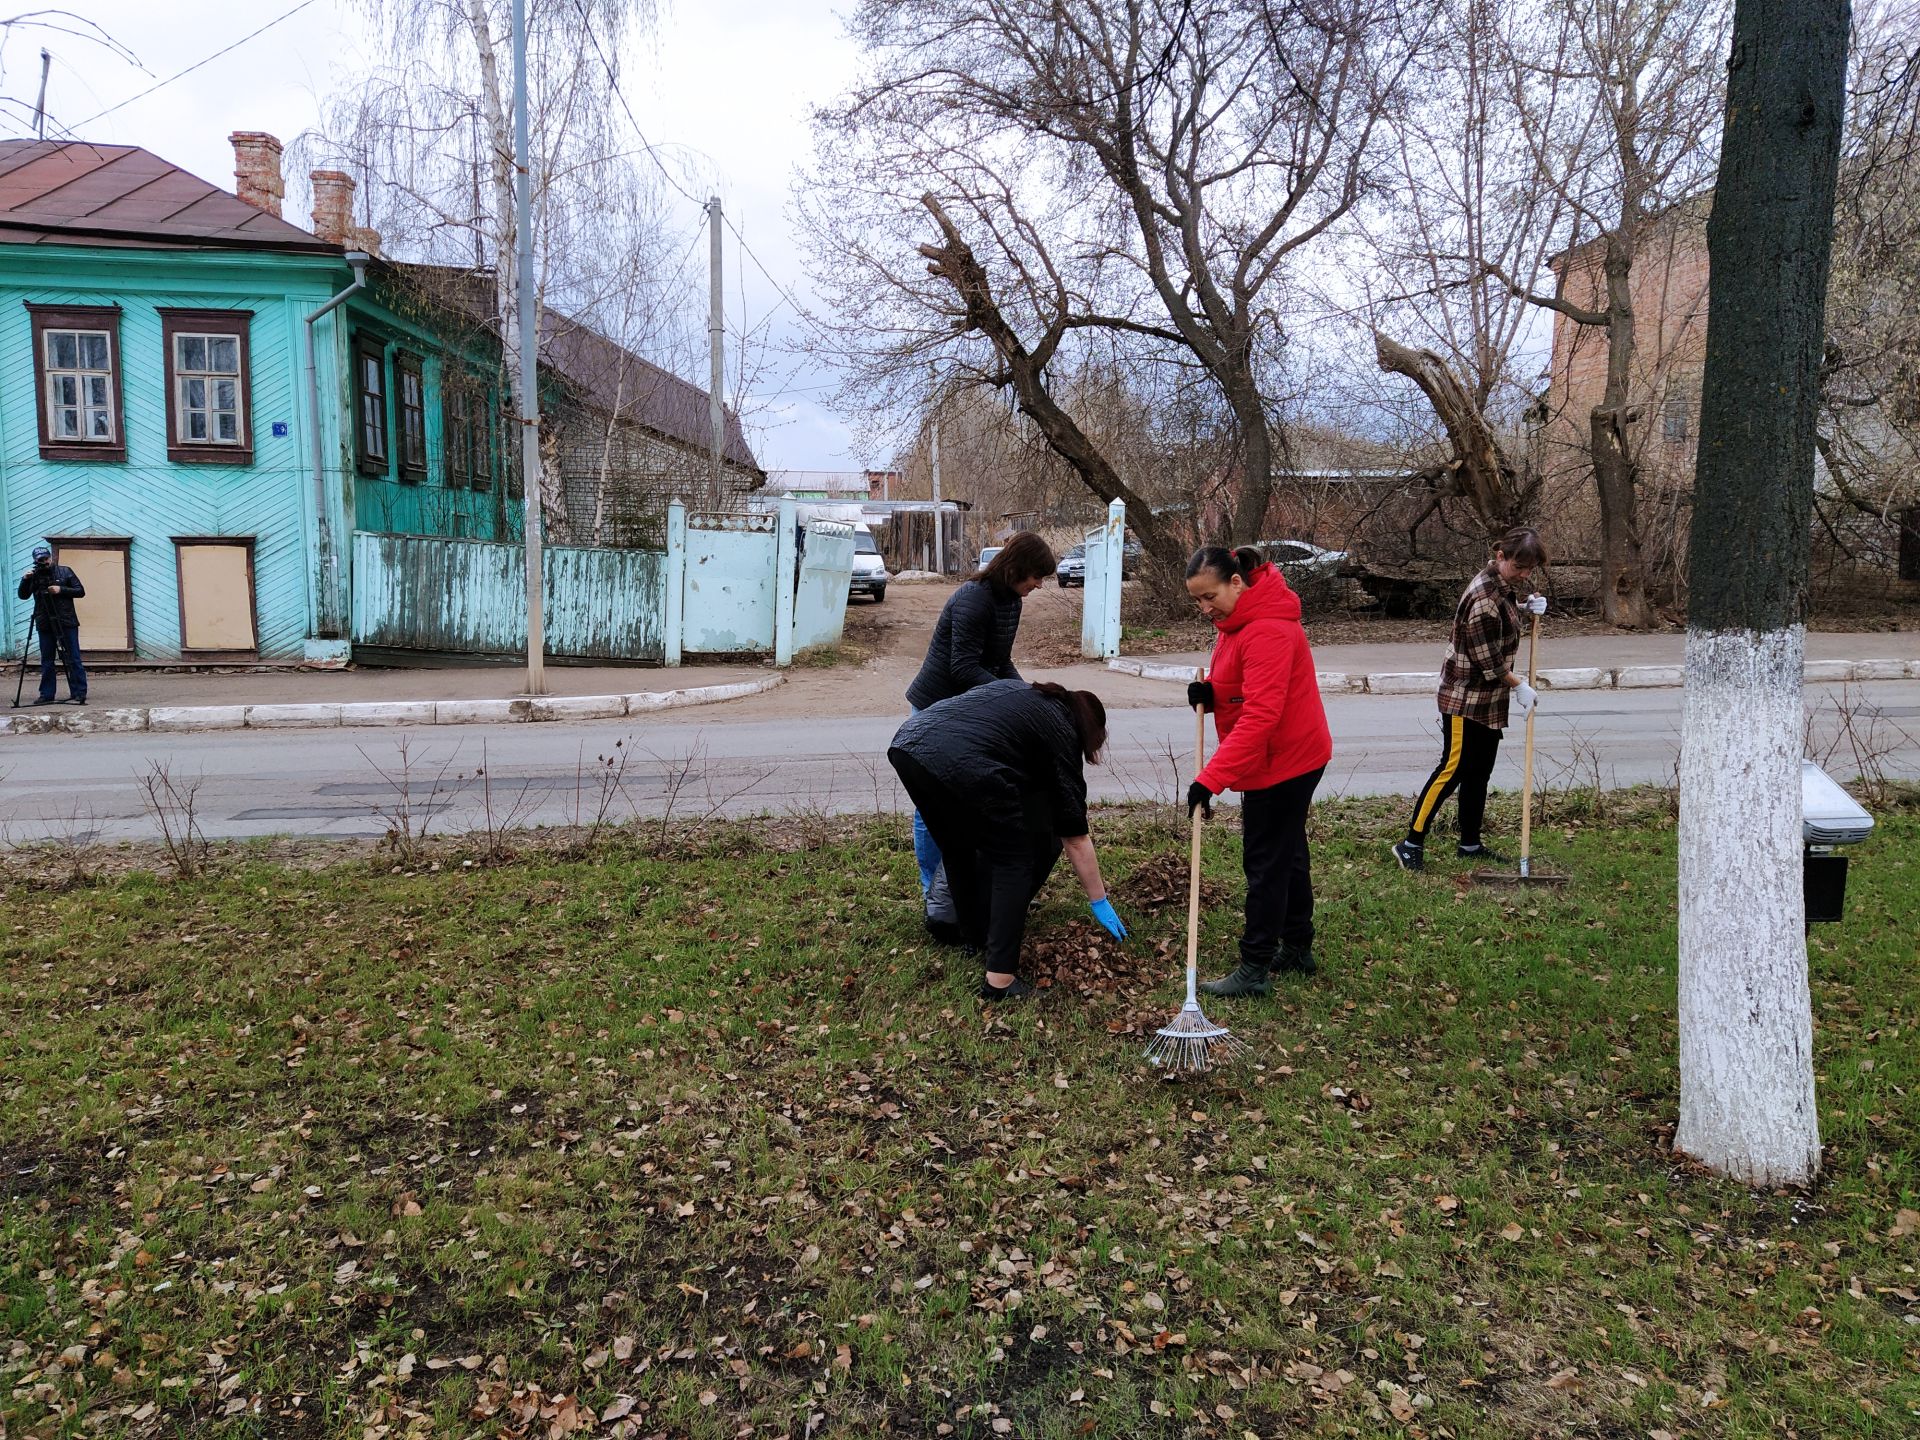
x: 216, y: 593
x: 106, y: 610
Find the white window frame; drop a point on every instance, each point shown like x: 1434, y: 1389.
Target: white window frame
x: 80, y: 376
x: 181, y: 375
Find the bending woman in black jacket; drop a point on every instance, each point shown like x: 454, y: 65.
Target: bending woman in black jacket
x: 998, y: 775
x: 972, y: 645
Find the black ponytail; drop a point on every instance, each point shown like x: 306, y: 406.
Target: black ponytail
x: 1226, y: 563
x: 1089, y: 716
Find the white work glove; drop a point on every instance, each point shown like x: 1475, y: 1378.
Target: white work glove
x: 1525, y: 697
x: 1534, y: 604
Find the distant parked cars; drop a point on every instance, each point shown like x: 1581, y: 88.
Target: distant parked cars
x: 869, y: 575
x: 1072, y: 569
x: 987, y: 552
x: 1300, y: 561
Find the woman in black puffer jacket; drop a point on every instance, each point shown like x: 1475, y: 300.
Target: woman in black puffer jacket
x: 972, y: 646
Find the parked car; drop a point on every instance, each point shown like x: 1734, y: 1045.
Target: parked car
x: 870, y: 575
x: 1129, y: 559
x: 987, y: 552
x: 1072, y: 569
x: 1298, y: 560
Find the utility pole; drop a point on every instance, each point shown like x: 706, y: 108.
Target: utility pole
x: 40, y: 105
x: 529, y: 359
x: 479, y: 239
x: 939, y: 520
x: 716, y: 345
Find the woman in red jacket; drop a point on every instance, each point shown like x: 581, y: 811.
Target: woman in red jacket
x: 1274, y: 747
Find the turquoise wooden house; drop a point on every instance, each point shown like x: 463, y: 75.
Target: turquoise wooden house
x: 208, y: 411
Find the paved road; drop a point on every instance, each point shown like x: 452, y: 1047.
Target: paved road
x: 349, y: 782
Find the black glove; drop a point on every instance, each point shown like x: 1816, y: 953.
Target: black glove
x: 1200, y: 798
x: 1200, y: 692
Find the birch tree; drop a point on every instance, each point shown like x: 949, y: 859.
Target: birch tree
x: 430, y: 133
x: 1747, y: 1105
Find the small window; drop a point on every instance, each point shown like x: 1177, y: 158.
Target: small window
x: 76, y: 358
x: 370, y: 397
x: 1673, y: 421
x: 481, y: 438
x: 413, y: 417
x: 207, y: 385
x: 456, y: 426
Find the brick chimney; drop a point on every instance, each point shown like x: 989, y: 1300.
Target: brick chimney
x: 333, y: 206
x: 256, y: 170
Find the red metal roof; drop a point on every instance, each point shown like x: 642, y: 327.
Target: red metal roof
x: 63, y: 191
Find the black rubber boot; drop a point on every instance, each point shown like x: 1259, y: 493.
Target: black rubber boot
x: 1296, y: 960
x: 1247, y: 979
x: 1018, y: 990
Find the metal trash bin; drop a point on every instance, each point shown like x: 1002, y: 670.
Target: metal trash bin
x: 1829, y: 819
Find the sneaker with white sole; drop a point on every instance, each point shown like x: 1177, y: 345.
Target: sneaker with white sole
x: 1411, y: 857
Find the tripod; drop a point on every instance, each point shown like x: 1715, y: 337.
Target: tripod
x: 26, y: 644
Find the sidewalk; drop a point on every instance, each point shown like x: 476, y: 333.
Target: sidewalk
x: 268, y: 698
x: 1582, y: 662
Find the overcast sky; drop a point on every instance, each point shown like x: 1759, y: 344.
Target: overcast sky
x: 725, y: 88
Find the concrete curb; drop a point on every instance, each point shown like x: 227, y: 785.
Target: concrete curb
x: 1625, y: 677
x: 174, y: 719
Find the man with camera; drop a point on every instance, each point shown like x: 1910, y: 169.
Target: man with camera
x: 53, y: 589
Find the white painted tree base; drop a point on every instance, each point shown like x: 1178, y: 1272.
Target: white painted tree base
x: 1747, y: 1104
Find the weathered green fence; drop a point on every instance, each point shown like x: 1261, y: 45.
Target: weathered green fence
x: 469, y: 597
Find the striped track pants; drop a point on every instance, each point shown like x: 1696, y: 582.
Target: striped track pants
x: 1467, y: 751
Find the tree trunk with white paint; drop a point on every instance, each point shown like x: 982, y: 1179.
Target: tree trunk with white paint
x: 1747, y: 1105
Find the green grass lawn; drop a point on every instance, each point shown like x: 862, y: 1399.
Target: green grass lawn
x: 712, y: 1143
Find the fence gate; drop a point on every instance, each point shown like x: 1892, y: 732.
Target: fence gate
x: 1100, y: 593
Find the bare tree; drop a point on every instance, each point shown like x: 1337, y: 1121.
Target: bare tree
x: 1617, y: 102
x: 1868, y: 433
x: 1747, y: 1104
x: 1462, y: 208
x: 1144, y: 169
x: 430, y: 132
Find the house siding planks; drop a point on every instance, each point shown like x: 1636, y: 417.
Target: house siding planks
x: 147, y: 496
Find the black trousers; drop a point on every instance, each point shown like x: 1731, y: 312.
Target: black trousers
x: 994, y: 870
x: 1467, y: 751
x: 1273, y: 851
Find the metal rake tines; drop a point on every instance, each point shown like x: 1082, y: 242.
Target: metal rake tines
x: 1190, y: 1042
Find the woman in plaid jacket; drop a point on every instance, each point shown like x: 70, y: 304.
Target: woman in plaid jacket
x: 1476, y: 683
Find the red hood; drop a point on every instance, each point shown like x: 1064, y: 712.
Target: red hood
x: 1268, y: 597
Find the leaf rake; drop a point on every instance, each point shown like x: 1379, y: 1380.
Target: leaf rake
x: 1190, y: 1043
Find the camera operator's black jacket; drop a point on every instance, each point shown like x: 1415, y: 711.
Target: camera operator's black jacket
x: 53, y: 609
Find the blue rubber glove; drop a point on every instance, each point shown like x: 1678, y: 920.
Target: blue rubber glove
x: 1103, y: 912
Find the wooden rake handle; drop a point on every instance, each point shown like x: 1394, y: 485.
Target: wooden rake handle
x: 1526, y: 769
x: 1193, y: 859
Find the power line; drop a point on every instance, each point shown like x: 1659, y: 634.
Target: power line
x: 197, y: 64
x: 613, y: 79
